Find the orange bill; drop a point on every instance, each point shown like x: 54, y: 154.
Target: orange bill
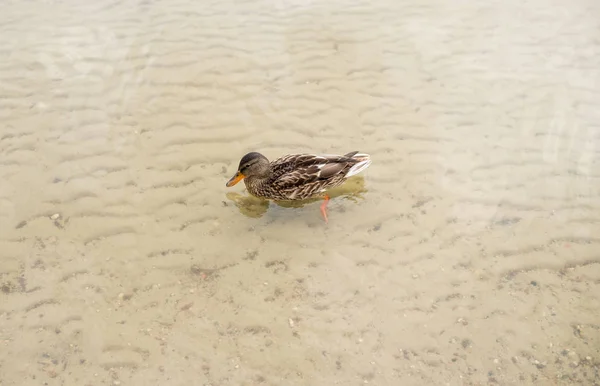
x: 235, y: 179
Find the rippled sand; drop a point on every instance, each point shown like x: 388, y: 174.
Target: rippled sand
x: 467, y: 254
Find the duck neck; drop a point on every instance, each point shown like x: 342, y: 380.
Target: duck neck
x: 256, y: 183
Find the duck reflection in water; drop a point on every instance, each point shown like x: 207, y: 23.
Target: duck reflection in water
x: 353, y: 190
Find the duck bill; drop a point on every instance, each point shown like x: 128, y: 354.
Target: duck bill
x: 235, y: 179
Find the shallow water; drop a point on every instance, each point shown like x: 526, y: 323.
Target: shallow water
x: 468, y: 253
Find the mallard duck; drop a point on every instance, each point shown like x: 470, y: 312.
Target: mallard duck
x: 297, y: 176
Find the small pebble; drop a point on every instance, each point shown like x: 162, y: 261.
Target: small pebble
x: 55, y: 216
x: 121, y: 295
x: 415, y: 276
x: 291, y: 322
x: 588, y: 358
x: 496, y: 361
x: 117, y: 383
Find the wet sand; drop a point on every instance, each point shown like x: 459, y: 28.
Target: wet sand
x: 467, y: 254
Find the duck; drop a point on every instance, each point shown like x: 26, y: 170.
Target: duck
x: 297, y: 176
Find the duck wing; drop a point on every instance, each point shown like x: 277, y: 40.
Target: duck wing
x: 303, y: 175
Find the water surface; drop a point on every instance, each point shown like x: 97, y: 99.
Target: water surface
x: 468, y: 253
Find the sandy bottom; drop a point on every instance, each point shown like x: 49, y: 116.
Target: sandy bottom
x: 467, y: 254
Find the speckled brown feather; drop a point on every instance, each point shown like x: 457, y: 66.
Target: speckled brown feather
x: 301, y: 176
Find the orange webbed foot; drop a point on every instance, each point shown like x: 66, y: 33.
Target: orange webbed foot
x: 324, y: 208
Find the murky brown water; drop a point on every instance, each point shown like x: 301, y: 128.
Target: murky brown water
x: 468, y: 253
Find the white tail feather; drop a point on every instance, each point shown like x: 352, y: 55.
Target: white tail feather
x: 359, y: 167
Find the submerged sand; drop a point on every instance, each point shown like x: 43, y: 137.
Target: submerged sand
x: 467, y: 254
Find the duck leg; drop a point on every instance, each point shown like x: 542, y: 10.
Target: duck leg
x: 324, y: 208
